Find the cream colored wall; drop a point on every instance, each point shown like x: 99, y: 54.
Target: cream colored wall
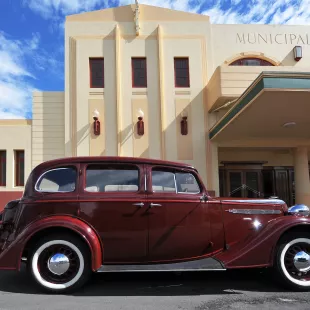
x: 47, y: 127
x: 229, y: 41
x: 274, y: 157
x: 229, y: 82
x: 111, y: 34
x: 162, y: 107
x: 15, y: 135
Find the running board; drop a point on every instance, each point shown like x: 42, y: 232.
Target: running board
x: 194, y: 265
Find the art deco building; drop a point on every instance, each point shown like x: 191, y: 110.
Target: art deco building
x: 233, y: 100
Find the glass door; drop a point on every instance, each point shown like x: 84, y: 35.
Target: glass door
x: 235, y: 185
x: 252, y: 184
x: 244, y: 184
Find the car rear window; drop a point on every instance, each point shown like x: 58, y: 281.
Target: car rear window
x: 102, y: 178
x: 57, y: 180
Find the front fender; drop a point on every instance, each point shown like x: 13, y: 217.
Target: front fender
x: 10, y: 258
x: 258, y: 250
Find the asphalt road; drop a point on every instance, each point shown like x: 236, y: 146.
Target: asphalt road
x: 157, y: 291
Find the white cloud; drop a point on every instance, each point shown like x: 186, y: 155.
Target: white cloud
x: 239, y: 11
x: 16, y: 79
x: 48, y: 8
x: 9, y: 115
x: 10, y: 55
x: 33, y: 43
x: 262, y: 12
x: 15, y: 98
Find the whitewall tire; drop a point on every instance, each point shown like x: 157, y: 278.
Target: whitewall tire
x: 60, y: 263
x: 292, y: 261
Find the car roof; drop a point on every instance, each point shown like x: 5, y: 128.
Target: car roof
x: 115, y: 159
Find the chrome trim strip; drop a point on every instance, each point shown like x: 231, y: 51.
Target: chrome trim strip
x: 255, y: 201
x: 138, y: 204
x: 101, y: 269
x: 253, y: 211
x: 145, y: 189
x: 175, y: 183
x: 152, y: 205
x: 192, y: 265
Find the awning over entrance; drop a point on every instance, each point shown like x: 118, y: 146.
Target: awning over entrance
x: 276, y: 107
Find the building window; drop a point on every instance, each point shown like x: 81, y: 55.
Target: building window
x: 139, y: 72
x: 96, y: 66
x: 2, y: 168
x: 181, y: 72
x: 251, y: 62
x: 19, y: 168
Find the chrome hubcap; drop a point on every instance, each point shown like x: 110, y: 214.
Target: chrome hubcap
x: 58, y: 264
x: 302, y: 261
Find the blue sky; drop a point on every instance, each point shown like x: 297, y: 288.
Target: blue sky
x: 32, y: 37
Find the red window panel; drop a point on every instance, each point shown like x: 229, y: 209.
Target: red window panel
x: 19, y: 168
x: 2, y: 168
x: 96, y: 67
x: 181, y: 72
x: 139, y: 72
x: 251, y: 62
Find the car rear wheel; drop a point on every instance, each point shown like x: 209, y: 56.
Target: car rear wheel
x: 60, y: 263
x: 292, y: 262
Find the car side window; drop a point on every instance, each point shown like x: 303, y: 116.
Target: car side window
x: 163, y: 181
x: 186, y: 183
x: 59, y: 180
x: 174, y: 182
x: 104, y: 178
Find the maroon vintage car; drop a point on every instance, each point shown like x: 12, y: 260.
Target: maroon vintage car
x: 106, y: 214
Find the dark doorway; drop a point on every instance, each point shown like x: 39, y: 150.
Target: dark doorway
x: 241, y: 179
x: 253, y: 180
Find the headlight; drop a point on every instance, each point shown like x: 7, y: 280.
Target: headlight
x: 299, y: 210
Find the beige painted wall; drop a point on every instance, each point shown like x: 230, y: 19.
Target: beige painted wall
x: 15, y: 135
x: 274, y: 157
x: 94, y: 34
x: 229, y: 82
x: 89, y: 37
x: 62, y: 122
x: 270, y: 42
x: 228, y: 41
x: 47, y: 127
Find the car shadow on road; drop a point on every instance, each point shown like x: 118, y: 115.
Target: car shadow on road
x: 155, y: 284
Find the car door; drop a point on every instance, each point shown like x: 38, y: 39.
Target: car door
x: 112, y: 200
x: 179, y: 226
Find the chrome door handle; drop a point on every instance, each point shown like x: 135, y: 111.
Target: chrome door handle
x: 152, y: 205
x: 139, y: 204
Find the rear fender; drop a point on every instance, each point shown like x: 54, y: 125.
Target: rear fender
x: 258, y: 250
x: 10, y: 258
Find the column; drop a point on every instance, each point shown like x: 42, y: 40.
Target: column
x: 213, y: 182
x: 161, y: 89
x: 302, y: 182
x: 118, y: 88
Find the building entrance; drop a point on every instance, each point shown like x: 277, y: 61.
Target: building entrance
x: 253, y: 180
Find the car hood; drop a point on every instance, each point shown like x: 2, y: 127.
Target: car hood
x: 244, y: 217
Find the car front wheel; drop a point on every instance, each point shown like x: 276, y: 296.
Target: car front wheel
x: 292, y: 263
x: 60, y: 263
